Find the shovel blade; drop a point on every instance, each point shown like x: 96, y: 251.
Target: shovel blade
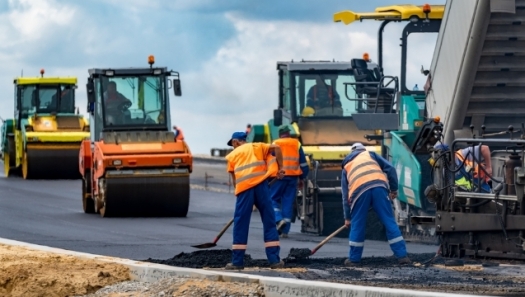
x: 204, y: 245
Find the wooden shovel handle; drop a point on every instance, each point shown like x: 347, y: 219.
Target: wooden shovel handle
x: 328, y: 238
x: 223, y: 230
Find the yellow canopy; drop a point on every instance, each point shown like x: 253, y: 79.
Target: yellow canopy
x: 393, y: 12
x: 45, y: 80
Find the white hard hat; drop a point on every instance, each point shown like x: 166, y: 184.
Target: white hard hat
x: 357, y: 146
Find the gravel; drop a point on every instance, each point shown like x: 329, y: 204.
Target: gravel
x: 180, y: 287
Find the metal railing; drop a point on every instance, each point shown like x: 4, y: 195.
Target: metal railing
x: 380, y: 86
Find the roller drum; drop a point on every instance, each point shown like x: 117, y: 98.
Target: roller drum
x: 146, y: 196
x: 52, y: 163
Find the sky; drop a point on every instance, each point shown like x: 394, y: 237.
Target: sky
x: 225, y: 51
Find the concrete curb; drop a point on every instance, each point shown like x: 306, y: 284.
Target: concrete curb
x: 273, y: 286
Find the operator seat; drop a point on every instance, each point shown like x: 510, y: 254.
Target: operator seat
x: 385, y: 96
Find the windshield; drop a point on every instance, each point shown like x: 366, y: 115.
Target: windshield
x: 322, y: 94
x: 133, y: 101
x: 44, y: 99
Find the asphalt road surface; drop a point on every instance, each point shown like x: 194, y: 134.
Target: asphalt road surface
x: 50, y: 213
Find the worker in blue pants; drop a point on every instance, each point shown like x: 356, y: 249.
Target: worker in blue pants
x: 284, y: 191
x: 364, y: 185
x: 250, y: 165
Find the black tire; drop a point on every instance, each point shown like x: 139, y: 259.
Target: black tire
x: 88, y: 204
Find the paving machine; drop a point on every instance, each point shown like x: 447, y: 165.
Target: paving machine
x: 132, y: 165
x: 478, y: 92
x: 43, y: 138
x: 404, y: 131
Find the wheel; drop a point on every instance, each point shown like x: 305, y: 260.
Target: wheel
x: 87, y: 202
x: 25, y: 167
x: 101, y: 202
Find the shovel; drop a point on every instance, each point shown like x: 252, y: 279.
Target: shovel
x: 214, y: 242
x: 304, y: 253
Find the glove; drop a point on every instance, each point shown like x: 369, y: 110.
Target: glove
x: 392, y: 195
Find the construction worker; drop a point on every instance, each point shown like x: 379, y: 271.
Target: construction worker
x: 322, y: 95
x: 469, y: 174
x: 248, y: 165
x: 114, y: 101
x: 179, y: 136
x: 364, y: 185
x: 248, y: 128
x: 284, y: 191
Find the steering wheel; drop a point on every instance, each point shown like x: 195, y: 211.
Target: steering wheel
x: 151, y: 111
x: 122, y: 106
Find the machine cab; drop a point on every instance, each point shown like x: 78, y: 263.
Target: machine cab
x: 130, y: 99
x: 312, y: 94
x: 44, y: 97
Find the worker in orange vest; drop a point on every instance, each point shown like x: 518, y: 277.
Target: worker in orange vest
x: 368, y: 180
x: 284, y: 191
x: 179, y: 136
x: 248, y: 165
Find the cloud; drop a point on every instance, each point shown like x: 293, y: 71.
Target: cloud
x: 227, y: 60
x: 239, y: 84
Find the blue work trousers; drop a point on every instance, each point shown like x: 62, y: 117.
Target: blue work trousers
x: 260, y: 196
x: 283, y: 194
x: 377, y: 198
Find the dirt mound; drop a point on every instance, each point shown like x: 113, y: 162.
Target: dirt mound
x: 29, y: 273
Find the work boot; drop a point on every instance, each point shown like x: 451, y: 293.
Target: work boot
x: 404, y: 261
x: 230, y: 266
x: 277, y: 265
x: 349, y: 263
x: 284, y: 235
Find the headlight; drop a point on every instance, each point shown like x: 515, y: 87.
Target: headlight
x: 157, y: 71
x: 117, y: 162
x: 177, y: 160
x: 110, y: 72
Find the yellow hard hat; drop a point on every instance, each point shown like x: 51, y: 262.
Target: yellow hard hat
x: 308, y: 111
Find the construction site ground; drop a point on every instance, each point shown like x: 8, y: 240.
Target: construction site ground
x: 50, y: 213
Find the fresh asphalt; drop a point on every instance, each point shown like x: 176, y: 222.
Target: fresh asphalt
x: 50, y: 213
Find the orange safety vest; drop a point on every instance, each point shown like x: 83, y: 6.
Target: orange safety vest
x: 469, y: 164
x: 250, y: 165
x: 290, y: 150
x: 180, y: 135
x: 360, y: 170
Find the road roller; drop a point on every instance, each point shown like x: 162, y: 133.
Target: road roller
x: 43, y: 139
x: 132, y: 165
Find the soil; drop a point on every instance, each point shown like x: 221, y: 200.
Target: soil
x: 471, y: 277
x: 30, y: 273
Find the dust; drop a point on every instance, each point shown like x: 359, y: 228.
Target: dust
x: 30, y: 273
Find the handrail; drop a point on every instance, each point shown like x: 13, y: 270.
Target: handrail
x: 380, y: 86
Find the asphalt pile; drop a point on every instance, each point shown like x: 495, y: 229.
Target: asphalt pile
x: 441, y: 275
x: 219, y: 259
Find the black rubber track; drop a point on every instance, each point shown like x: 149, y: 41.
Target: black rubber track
x: 53, y: 163
x: 147, y: 196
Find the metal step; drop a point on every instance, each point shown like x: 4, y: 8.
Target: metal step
x: 497, y: 99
